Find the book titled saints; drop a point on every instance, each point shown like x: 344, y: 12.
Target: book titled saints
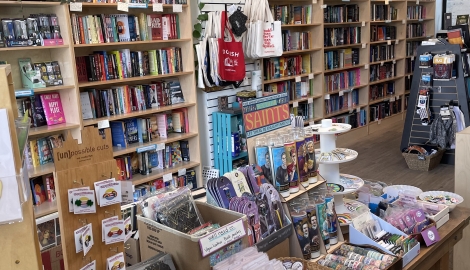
x: 53, y: 108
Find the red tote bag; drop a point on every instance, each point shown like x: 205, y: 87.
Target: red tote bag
x: 231, y: 57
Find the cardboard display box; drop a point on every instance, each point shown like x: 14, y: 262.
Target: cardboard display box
x: 184, y: 249
x: 442, y: 215
x: 53, y: 259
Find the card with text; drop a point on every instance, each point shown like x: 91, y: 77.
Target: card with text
x: 110, y: 194
x: 106, y: 220
x: 114, y: 232
x: 78, y: 239
x: 70, y: 196
x: 87, y: 239
x: 116, y: 262
x: 84, y: 202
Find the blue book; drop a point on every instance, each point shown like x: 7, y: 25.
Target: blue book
x: 118, y: 133
x: 140, y: 131
x: 132, y: 131
x: 44, y: 151
x: 153, y: 159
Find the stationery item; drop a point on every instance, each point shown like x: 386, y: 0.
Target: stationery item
x: 99, y: 184
x: 239, y: 182
x: 106, y: 220
x: 114, y: 231
x: 224, y: 190
x: 70, y: 196
x: 78, y: 239
x: 110, y: 193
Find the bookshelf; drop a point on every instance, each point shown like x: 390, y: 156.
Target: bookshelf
x: 405, y: 19
x: 70, y: 90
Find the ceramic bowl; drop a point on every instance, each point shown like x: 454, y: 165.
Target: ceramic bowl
x: 451, y: 205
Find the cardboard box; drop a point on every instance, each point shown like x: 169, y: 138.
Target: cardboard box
x: 132, y: 252
x: 441, y: 208
x: 53, y: 259
x: 358, y: 238
x: 184, y: 249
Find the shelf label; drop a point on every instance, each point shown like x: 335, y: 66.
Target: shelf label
x: 160, y: 146
x: 409, y: 76
x: 386, y: 2
x: 366, y: 66
x: 403, y: 21
x: 295, y: 104
x: 327, y: 96
x: 146, y: 148
x: 222, y: 237
x: 364, y: 45
x: 363, y: 23
x: 76, y: 6
x: 358, y: 109
x: 351, y: 111
x: 392, y: 99
x: 123, y: 6
x: 394, y: 62
x: 177, y: 8
x: 412, y: 58
x: 388, y: 21
x: 420, y: 20
x: 397, y: 97
x: 311, y: 123
x: 417, y: 2
x: 341, y: 93
x: 182, y: 172
x: 323, y: 6
x: 311, y: 76
x: 167, y: 177
x: 310, y: 100
x: 157, y: 8
x: 138, y: 5
x: 389, y: 42
x: 103, y: 124
x: 24, y: 93
x: 297, y: 79
x: 396, y: 42
x: 346, y: 0
x: 380, y: 121
x: 381, y: 64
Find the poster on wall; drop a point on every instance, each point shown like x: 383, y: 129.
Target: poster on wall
x: 266, y: 114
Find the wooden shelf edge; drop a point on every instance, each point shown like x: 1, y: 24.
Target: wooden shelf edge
x: 50, y: 88
x: 41, y: 170
x: 51, y: 129
x: 130, y: 43
x: 158, y: 173
x: 45, y: 208
x: 305, y: 99
x: 27, y: 48
x: 133, y: 79
x: 386, y: 80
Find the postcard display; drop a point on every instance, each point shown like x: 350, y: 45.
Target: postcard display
x: 329, y: 160
x: 81, y: 166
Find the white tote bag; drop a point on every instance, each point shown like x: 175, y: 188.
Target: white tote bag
x: 269, y: 43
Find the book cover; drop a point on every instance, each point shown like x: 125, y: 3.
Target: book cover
x: 462, y: 19
x: 176, y: 153
x: 118, y: 133
x: 56, y: 141
x: 178, y: 121
x: 122, y: 25
x: 38, y: 189
x: 169, y: 123
x: 33, y: 145
x: 161, y: 125
x: 37, y: 111
x: 176, y: 93
x: 45, y: 153
x: 132, y: 131
x: 53, y: 108
x: 85, y: 104
x: 50, y: 187
x: 185, y: 150
x: 46, y: 230
x: 455, y: 37
x: 156, y: 27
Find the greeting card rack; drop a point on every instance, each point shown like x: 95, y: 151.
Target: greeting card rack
x: 442, y: 92
x: 80, y: 165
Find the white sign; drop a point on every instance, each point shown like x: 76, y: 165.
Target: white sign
x: 295, y: 104
x: 103, y: 124
x: 310, y: 76
x: 386, y: 2
x: 364, y: 45
x: 366, y: 66
x: 167, y: 177
x: 221, y: 237
x: 341, y: 93
x: 177, y: 8
x: 389, y: 42
x: 310, y: 100
x: 127, y: 190
x: 157, y: 7
x: 182, y: 172
x: 327, y: 96
x: 363, y: 23
x: 396, y: 42
x: 297, y: 79
x: 76, y: 6
x: 123, y: 6
x: 358, y: 109
x: 160, y: 146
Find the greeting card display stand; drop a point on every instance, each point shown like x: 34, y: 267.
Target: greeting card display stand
x: 339, y: 184
x: 80, y: 165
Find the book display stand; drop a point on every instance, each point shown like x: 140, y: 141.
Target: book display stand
x: 442, y: 93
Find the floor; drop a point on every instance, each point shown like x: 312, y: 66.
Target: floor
x: 380, y: 159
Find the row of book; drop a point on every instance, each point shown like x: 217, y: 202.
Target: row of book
x: 104, y: 66
x: 412, y: 47
x: 40, y: 74
x: 384, y: 109
x: 382, y: 52
x: 382, y: 32
x: 97, y: 103
x: 189, y: 179
x: 383, y: 13
x: 416, y: 12
x: 409, y: 65
x: 296, y: 90
x: 341, y: 13
x: 349, y: 99
x: 278, y: 67
x: 381, y: 72
x: 43, y: 189
x: 378, y: 91
x: 407, y: 96
x: 355, y: 119
x: 41, y: 150
x: 341, y: 58
x: 144, y: 163
x: 305, y: 109
x: 167, y: 2
x: 342, y: 36
x: 293, y: 41
x: 35, y: 30
x: 42, y: 109
x: 292, y: 14
x: 342, y: 80
x: 109, y: 28
x: 143, y: 130
x: 415, y: 30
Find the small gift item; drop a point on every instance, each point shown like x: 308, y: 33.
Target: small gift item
x: 425, y: 60
x: 237, y: 21
x: 423, y: 106
x: 443, y: 66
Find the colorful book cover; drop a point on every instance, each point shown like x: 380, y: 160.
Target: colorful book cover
x: 122, y: 25
x: 37, y: 111
x: 161, y: 125
x: 39, y: 190
x: 45, y: 153
x: 33, y: 144
x: 169, y: 123
x: 118, y: 133
x: 53, y: 108
x: 156, y: 28
x: 46, y: 229
x: 184, y: 150
x: 178, y: 121
x: 176, y: 153
x: 50, y: 187
x: 56, y: 141
x: 176, y: 94
x: 132, y: 131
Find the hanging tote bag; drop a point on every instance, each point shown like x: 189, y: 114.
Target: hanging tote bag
x: 269, y: 43
x: 231, y: 57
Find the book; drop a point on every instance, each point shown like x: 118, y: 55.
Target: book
x: 176, y: 153
x: 118, y: 133
x: 122, y: 25
x: 47, y: 231
x: 185, y: 150
x: 38, y: 190
x: 56, y: 141
x: 53, y: 108
x: 155, y: 26
x: 50, y: 187
x: 162, y: 125
x: 85, y: 104
x: 45, y: 153
x: 37, y: 112
x: 33, y: 144
x: 455, y: 37
x: 132, y: 131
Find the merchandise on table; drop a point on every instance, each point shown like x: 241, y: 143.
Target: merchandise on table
x: 442, y: 197
x: 250, y: 258
x: 161, y: 261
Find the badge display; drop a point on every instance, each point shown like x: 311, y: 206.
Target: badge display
x: 116, y: 262
x: 110, y: 193
x: 98, y: 185
x: 84, y: 202
x: 87, y: 239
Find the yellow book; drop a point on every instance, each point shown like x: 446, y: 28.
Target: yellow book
x: 118, y: 62
x: 153, y: 62
x: 33, y: 145
x: 306, y: 63
x: 92, y: 29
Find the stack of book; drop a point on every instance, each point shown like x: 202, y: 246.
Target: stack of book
x: 349, y: 99
x: 416, y: 12
x: 412, y: 47
x: 382, y: 52
x: 355, y: 119
x: 342, y: 80
x: 109, y: 28
x: 96, y: 103
x: 341, y: 58
x: 415, y: 30
x: 383, y: 13
x: 341, y: 14
x: 381, y: 72
x: 293, y: 41
x: 410, y: 65
x: 342, y: 36
x: 291, y: 14
x: 103, y: 66
x: 382, y: 32
x: 305, y: 110
x: 279, y: 67
x: 378, y: 91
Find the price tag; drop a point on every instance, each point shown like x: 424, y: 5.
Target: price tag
x: 182, y: 172
x: 76, y: 6
x: 358, y: 109
x: 417, y: 2
x: 314, y: 1
x: 412, y: 58
x: 380, y: 121
x: 157, y: 7
x: 388, y: 21
x: 297, y: 79
x: 386, y: 2
x: 396, y: 42
x: 392, y: 99
x: 366, y: 66
x: 341, y: 93
x: 167, y: 177
x: 381, y: 64
x: 327, y: 96
x: 103, y: 124
x: 364, y: 45
x: 123, y: 6
x: 310, y: 100
x: 409, y: 76
x: 146, y: 148
x: 389, y: 42
x: 295, y: 104
x: 403, y: 21
x: 351, y: 111
x: 363, y: 23
x: 311, y: 76
x: 160, y: 146
x: 177, y: 8
x: 397, y: 97
x: 420, y: 20
x: 323, y: 6
x: 394, y: 62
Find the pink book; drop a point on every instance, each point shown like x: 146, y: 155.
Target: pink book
x: 53, y: 108
x: 161, y: 123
